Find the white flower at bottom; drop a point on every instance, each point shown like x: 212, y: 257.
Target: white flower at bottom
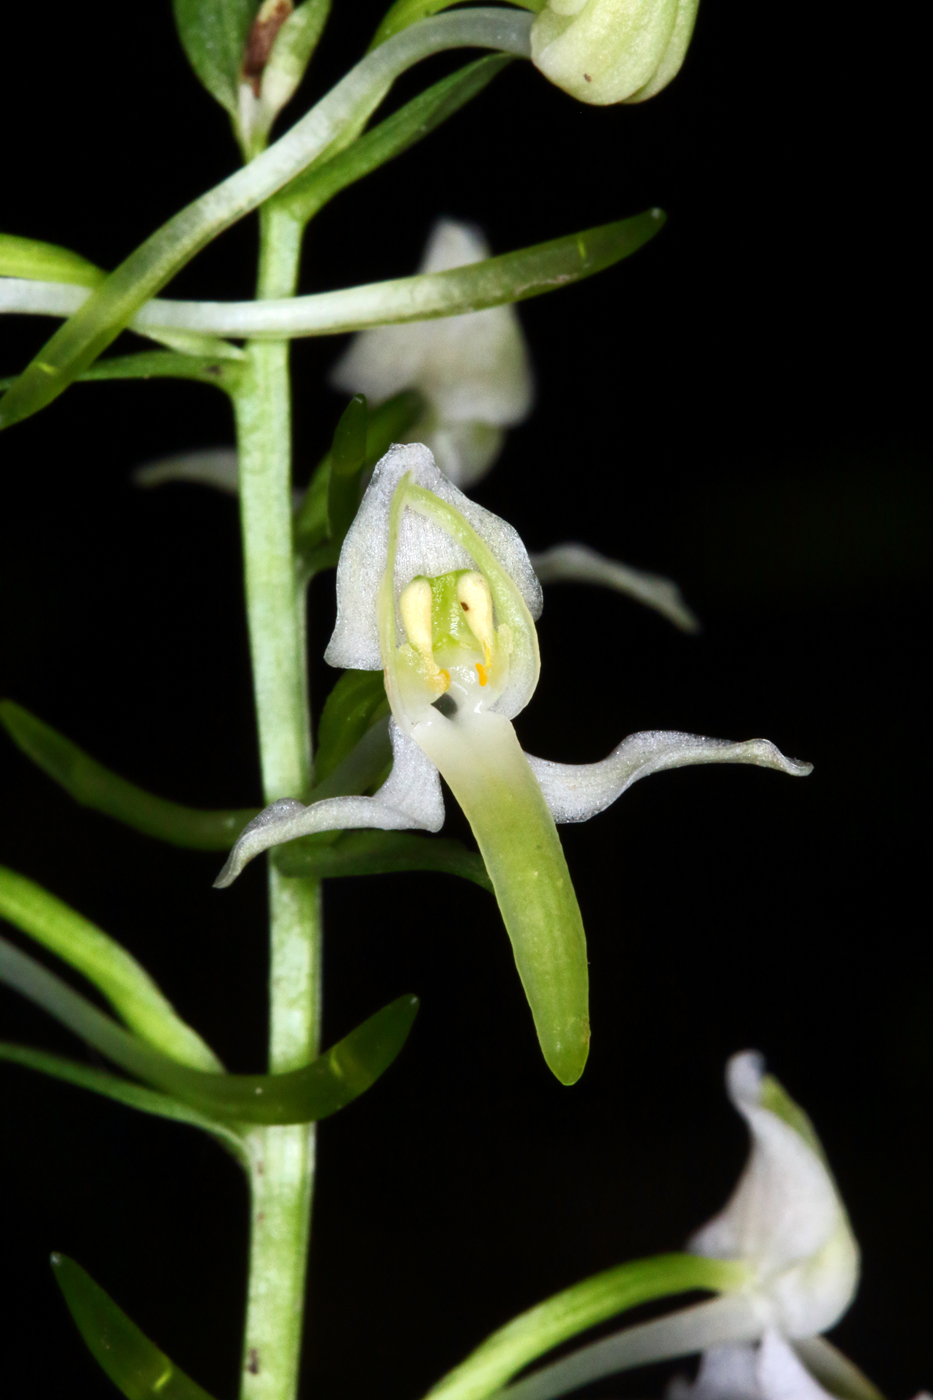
x: 473, y: 371
x: 770, y: 1371
x: 785, y: 1216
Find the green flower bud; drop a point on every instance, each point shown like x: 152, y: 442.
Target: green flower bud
x: 604, y: 51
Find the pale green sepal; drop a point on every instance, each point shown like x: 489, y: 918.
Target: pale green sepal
x: 33, y: 260
x: 99, y: 958
x: 840, y: 1376
x: 124, y: 1091
x: 137, y: 1367
x: 577, y: 563
x: 481, y: 760
x: 572, y: 1311
x: 346, y: 107
x: 95, y: 786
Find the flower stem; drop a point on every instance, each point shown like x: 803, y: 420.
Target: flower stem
x: 281, y: 1158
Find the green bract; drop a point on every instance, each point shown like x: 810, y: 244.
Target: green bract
x: 604, y: 51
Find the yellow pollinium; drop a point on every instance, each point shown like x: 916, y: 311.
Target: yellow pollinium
x: 414, y: 605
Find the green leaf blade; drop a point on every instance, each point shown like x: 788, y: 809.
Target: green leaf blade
x: 94, y: 786
x: 213, y: 35
x: 137, y: 1367
x: 123, y: 1091
x: 381, y: 853
x: 103, y: 961
x: 575, y: 1309
x: 305, y: 1095
x: 46, y: 262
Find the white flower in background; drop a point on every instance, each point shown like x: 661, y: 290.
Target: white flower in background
x: 785, y: 1216
x: 473, y: 371
x: 771, y: 1371
x: 604, y: 51
x: 787, y: 1225
x: 439, y: 594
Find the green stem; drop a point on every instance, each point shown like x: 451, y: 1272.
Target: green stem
x: 281, y: 1158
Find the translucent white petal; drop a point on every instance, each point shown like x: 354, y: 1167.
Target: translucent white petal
x: 423, y: 548
x: 577, y: 791
x: 781, y: 1376
x: 785, y: 1216
x: 726, y: 1373
x: 213, y: 466
x: 472, y: 370
x: 577, y: 563
x: 410, y: 797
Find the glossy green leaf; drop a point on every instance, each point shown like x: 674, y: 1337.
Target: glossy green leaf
x: 356, y: 701
x: 330, y: 1082
x: 385, y: 425
x: 570, y: 1312
x: 137, y: 1367
x: 304, y: 197
x: 112, y: 307
x: 347, y: 459
x: 123, y: 1091
x: 380, y: 853
x: 98, y: 957
x: 94, y: 786
x: 46, y: 262
x: 213, y: 34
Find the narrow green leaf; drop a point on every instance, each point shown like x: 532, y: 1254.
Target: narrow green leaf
x: 348, y: 457
x: 355, y: 703
x: 94, y: 786
x: 123, y: 1091
x: 380, y: 853
x: 499, y: 281
x: 532, y: 1333
x: 330, y: 1082
x: 345, y: 108
x: 213, y: 34
x: 98, y: 957
x: 137, y: 1367
x: 308, y: 194
x: 156, y: 364
x: 46, y: 262
x: 385, y: 425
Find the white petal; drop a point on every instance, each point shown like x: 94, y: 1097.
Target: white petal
x: 577, y: 563
x: 214, y: 466
x: 423, y: 548
x: 726, y: 1373
x: 577, y: 791
x: 468, y: 367
x: 785, y: 1216
x: 781, y: 1376
x: 410, y: 797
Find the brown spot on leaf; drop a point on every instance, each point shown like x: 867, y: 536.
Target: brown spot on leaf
x: 252, y: 1361
x: 587, y: 77
x: 272, y: 15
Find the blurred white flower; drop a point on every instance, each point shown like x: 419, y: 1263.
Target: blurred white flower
x: 473, y: 371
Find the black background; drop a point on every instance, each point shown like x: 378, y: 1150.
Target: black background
x: 738, y: 406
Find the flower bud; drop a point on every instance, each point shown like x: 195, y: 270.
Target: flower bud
x: 605, y: 51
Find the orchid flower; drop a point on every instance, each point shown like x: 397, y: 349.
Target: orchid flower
x: 439, y: 594
x: 473, y: 371
x: 787, y: 1224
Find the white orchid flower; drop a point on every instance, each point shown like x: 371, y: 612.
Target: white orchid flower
x: 473, y: 371
x: 787, y: 1224
x: 439, y: 594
